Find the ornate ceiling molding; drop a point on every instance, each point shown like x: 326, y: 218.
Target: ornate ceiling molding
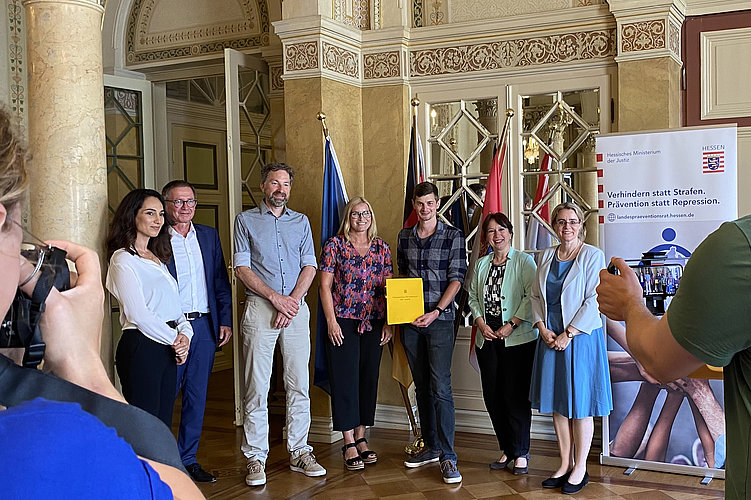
x: 238, y: 24
x: 648, y: 30
x: 523, y: 52
x: 317, y: 46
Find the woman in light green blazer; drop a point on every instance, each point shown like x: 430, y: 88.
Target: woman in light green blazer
x: 499, y: 297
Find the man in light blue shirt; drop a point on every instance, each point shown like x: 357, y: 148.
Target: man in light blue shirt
x: 275, y: 259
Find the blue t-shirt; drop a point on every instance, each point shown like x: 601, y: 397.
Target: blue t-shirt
x: 52, y: 449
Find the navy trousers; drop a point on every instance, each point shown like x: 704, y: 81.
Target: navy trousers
x: 193, y: 379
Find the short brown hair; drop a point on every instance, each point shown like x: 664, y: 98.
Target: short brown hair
x: 500, y: 219
x: 424, y: 189
x: 273, y: 167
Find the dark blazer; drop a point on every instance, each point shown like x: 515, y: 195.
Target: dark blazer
x: 217, y: 283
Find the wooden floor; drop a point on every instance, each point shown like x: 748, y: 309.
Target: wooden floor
x: 219, y: 453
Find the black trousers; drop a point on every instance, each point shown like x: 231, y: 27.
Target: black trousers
x: 353, y: 374
x: 148, y: 373
x: 506, y: 373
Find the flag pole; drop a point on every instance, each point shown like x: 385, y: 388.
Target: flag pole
x: 415, y: 103
x: 322, y: 118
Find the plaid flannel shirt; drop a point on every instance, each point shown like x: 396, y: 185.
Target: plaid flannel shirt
x: 438, y: 260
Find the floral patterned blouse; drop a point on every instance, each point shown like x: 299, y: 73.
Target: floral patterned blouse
x: 359, y: 287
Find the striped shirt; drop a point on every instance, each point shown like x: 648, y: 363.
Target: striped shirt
x: 438, y: 259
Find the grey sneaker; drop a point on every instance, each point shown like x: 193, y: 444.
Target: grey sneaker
x: 256, y: 473
x: 426, y: 456
x: 450, y: 472
x: 307, y: 464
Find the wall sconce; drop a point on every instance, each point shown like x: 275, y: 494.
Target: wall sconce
x: 531, y: 150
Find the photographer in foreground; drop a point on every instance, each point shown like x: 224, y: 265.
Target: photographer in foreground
x: 51, y: 447
x: 707, y: 322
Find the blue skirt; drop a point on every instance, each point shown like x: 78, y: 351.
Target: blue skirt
x: 574, y: 382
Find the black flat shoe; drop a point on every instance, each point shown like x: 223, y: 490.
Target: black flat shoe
x: 556, y: 482
x: 367, y: 456
x: 354, y: 463
x: 518, y: 471
x: 570, y: 489
x: 500, y: 464
x: 198, y: 474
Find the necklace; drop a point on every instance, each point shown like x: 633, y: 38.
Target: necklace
x: 569, y: 255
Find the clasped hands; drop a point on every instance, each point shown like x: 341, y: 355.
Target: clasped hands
x: 181, y: 345
x: 557, y: 342
x: 287, y: 308
x: 500, y: 334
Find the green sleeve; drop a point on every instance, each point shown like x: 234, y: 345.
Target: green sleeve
x: 710, y: 315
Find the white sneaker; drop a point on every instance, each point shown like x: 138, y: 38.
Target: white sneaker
x: 307, y: 464
x: 256, y: 473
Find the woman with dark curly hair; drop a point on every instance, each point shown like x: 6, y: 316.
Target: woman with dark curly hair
x: 156, y: 336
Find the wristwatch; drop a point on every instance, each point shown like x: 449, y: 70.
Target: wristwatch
x: 440, y: 311
x: 514, y: 326
x: 569, y: 334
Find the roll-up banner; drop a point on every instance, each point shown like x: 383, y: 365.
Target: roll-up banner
x: 660, y: 194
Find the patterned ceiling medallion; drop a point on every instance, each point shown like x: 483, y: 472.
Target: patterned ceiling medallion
x: 644, y: 35
x: 381, y: 65
x: 301, y: 56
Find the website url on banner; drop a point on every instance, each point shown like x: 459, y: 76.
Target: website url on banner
x: 654, y: 216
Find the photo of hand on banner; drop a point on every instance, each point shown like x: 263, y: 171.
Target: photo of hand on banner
x: 645, y: 434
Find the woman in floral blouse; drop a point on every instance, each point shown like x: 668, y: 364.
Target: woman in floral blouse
x: 354, y: 266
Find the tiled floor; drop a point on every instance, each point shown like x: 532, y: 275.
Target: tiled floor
x: 220, y: 454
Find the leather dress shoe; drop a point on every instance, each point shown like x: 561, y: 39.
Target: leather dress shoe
x: 198, y: 474
x: 570, y: 489
x: 556, y: 482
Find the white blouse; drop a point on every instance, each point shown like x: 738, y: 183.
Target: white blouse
x: 148, y: 297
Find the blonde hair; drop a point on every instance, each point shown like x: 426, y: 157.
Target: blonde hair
x: 13, y: 156
x: 579, y: 214
x: 346, y: 226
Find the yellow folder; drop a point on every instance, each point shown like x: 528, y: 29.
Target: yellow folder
x: 404, y: 302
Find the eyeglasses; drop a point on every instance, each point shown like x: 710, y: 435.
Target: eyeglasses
x: 179, y: 203
x: 570, y: 222
x: 365, y: 214
x: 33, y: 251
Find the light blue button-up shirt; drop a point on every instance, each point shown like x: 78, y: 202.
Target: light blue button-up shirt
x: 275, y: 249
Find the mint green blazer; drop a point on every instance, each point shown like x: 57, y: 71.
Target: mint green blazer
x: 516, y: 291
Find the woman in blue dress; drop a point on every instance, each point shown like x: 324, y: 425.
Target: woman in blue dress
x: 570, y: 377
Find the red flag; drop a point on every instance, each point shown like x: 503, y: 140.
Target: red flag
x: 493, y: 204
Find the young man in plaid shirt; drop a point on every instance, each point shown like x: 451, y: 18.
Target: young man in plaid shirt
x: 435, y: 252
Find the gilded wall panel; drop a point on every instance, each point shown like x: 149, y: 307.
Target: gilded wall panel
x: 550, y: 49
x: 339, y: 60
x: 643, y: 35
x: 381, y: 65
x: 160, y: 30
x: 301, y: 56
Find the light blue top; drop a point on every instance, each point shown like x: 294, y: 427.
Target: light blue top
x: 275, y: 249
x: 516, y: 290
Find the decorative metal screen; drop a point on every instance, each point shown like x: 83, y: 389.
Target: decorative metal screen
x: 123, y: 125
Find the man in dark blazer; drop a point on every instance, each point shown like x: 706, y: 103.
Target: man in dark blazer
x: 198, y: 265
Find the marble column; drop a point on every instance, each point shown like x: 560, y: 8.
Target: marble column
x: 68, y: 174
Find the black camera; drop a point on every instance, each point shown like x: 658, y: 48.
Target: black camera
x: 20, y: 328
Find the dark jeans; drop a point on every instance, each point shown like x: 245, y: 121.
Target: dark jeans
x: 429, y: 351
x: 506, y: 373
x: 353, y: 374
x: 147, y: 371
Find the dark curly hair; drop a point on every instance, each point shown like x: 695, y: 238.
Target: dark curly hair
x: 122, y: 233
